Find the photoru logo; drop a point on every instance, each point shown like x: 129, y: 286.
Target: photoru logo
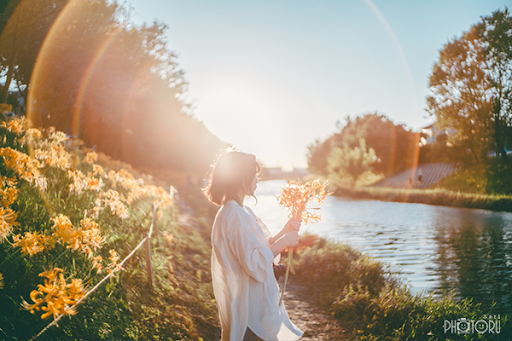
x: 488, y: 324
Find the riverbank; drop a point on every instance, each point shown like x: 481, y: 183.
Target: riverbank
x: 436, y: 196
x: 370, y: 303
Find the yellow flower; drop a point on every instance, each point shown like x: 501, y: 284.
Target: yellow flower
x: 65, y: 232
x: 91, y: 157
x: 114, y: 257
x: 16, y: 125
x: 113, y: 200
x: 21, y: 163
x: 79, y: 183
x: 114, y: 265
x: 7, y: 221
x: 1, y: 281
x: 90, y: 234
x: 94, y: 184
x: 56, y: 297
x: 10, y: 182
x: 85, y: 238
x: 33, y: 243
x: 32, y: 137
x: 8, y: 196
x: 296, y: 196
x: 96, y: 263
x: 97, y: 169
x: 56, y: 137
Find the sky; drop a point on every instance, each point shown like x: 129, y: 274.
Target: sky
x: 272, y: 77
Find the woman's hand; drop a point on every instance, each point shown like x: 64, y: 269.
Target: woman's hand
x: 292, y: 225
x: 291, y: 238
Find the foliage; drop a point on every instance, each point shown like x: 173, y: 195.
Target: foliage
x: 471, y: 86
x: 24, y: 25
x: 468, y: 179
x: 499, y: 176
x: 395, y: 147
x: 348, y: 167
x: 93, y: 54
x: 71, y: 220
x: 372, y: 303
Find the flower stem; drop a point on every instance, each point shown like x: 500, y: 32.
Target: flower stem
x: 10, y: 256
x: 290, y: 260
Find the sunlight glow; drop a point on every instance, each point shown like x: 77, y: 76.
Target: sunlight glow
x: 77, y: 110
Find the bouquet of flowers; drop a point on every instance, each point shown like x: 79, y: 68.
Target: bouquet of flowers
x: 295, y: 198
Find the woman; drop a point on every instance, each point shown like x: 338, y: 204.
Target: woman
x: 243, y: 279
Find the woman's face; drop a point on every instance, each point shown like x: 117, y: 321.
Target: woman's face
x: 253, y: 185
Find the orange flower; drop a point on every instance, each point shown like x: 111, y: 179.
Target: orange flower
x: 17, y: 125
x: 114, y: 265
x: 8, y: 196
x: 296, y: 196
x: 85, y: 239
x: 22, y: 164
x: 33, y: 243
x: 91, y: 157
x: 7, y: 221
x: 96, y: 263
x: 56, y: 297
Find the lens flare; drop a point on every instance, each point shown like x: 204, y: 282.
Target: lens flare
x: 84, y: 84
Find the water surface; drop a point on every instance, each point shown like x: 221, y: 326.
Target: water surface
x: 433, y: 247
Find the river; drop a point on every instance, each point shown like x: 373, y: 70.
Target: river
x: 434, y: 248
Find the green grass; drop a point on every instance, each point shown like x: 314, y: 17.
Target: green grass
x: 372, y: 304
x: 179, y: 305
x: 436, y: 196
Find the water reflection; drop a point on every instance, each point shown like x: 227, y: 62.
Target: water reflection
x: 473, y: 256
x: 435, y: 248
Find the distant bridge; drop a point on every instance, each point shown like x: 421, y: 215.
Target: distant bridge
x: 278, y: 173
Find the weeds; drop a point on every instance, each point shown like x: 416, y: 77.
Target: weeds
x: 375, y: 305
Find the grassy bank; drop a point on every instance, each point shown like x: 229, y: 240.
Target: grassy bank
x: 436, y: 196
x: 69, y: 217
x: 374, y: 305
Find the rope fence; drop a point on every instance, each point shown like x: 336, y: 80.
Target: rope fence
x: 145, y: 242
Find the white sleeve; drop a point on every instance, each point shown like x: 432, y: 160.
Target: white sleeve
x: 254, y: 257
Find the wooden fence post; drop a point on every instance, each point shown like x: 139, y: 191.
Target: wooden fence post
x: 149, y: 267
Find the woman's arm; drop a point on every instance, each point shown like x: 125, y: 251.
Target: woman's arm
x: 292, y: 225
x: 290, y: 239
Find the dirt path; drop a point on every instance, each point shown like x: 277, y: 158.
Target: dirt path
x: 317, y: 325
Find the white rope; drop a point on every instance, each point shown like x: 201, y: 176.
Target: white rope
x: 117, y: 268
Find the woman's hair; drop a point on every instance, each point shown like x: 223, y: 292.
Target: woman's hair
x: 233, y: 172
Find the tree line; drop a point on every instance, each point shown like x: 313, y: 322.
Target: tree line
x: 86, y: 69
x: 470, y: 99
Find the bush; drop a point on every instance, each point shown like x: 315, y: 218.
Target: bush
x: 375, y: 305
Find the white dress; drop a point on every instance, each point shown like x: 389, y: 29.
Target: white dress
x: 243, y: 278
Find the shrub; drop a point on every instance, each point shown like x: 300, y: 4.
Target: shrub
x: 374, y: 304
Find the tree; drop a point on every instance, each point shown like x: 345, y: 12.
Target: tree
x: 496, y: 34
x: 396, y: 148
x: 24, y: 25
x: 470, y: 86
x: 115, y: 85
x: 347, y: 165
